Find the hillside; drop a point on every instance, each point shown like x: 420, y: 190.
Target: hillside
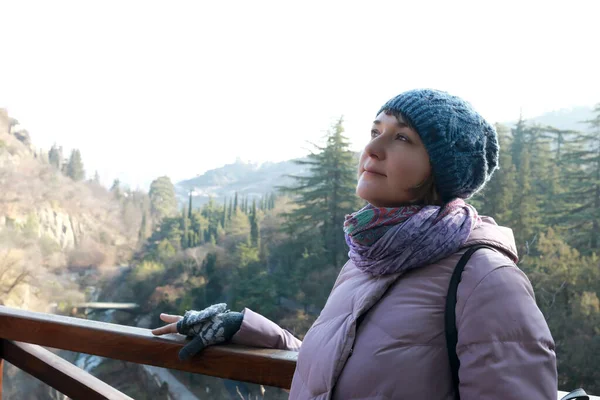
x: 246, y: 179
x: 49, y: 223
x: 568, y: 119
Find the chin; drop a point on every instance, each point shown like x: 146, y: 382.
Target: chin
x: 368, y: 196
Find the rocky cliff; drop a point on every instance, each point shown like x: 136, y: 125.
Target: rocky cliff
x: 49, y: 223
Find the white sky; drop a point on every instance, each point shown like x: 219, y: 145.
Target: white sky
x: 149, y: 88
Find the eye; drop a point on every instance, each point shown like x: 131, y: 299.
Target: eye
x: 374, y: 133
x: 400, y: 136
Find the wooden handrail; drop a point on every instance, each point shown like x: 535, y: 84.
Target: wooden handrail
x: 262, y: 366
x: 57, y: 372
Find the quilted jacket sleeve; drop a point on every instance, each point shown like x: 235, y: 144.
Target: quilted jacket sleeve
x: 258, y: 331
x: 504, y: 345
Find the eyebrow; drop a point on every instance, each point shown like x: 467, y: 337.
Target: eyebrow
x: 398, y: 123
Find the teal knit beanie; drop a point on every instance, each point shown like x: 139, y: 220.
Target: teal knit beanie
x: 462, y: 146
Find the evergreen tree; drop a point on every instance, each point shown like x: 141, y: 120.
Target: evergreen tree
x: 116, y: 189
x: 581, y: 166
x: 326, y: 195
x: 499, y: 192
x: 75, y: 166
x: 163, y: 202
x: 525, y: 211
x: 185, y: 223
x: 196, y: 229
x: 213, y: 214
x: 235, y: 203
x: 190, y: 206
x: 143, y: 229
x: 229, y: 210
x: 525, y: 202
x: 272, y: 201
x: 254, y: 230
x: 215, y: 284
x: 55, y: 157
x: 97, y: 178
x: 224, y: 214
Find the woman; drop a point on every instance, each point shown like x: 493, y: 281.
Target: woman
x: 381, y: 332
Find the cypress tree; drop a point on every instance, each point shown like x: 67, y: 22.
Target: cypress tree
x: 254, y: 230
x: 143, y: 229
x: 185, y: 222
x: 224, y: 214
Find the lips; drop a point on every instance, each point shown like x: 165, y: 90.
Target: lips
x: 373, y: 171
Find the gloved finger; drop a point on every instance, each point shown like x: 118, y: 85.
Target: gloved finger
x: 193, y: 347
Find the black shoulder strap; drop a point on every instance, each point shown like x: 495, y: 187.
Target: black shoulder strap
x: 450, y: 315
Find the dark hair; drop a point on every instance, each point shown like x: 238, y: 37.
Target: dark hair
x: 401, y: 116
x: 426, y: 193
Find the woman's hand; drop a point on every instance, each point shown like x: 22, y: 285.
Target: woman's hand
x: 213, y: 325
x: 171, y: 320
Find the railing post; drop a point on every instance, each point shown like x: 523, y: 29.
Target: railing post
x: 1, y: 365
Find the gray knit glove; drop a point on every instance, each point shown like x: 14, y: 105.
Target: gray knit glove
x: 213, y: 325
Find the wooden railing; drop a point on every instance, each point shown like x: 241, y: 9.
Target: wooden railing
x: 22, y: 333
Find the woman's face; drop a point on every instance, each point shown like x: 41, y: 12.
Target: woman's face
x: 393, y: 164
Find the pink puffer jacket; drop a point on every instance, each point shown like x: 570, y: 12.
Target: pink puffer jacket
x: 399, y: 349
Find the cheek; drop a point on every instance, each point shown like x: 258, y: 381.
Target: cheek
x: 410, y: 170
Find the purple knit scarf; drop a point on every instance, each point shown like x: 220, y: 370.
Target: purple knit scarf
x: 427, y: 236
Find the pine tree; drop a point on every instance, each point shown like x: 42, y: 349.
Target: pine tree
x: 235, y: 203
x: 75, y: 168
x: 55, y: 157
x: 116, y: 189
x: 556, y: 173
x: 254, y: 230
x: 97, y: 178
x: 326, y: 195
x: 190, y: 206
x: 581, y: 166
x: 497, y: 198
x: 163, y: 202
x: 525, y: 212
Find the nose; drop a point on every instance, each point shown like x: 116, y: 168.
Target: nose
x: 376, y: 148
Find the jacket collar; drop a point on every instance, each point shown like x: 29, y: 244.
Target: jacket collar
x: 489, y: 233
